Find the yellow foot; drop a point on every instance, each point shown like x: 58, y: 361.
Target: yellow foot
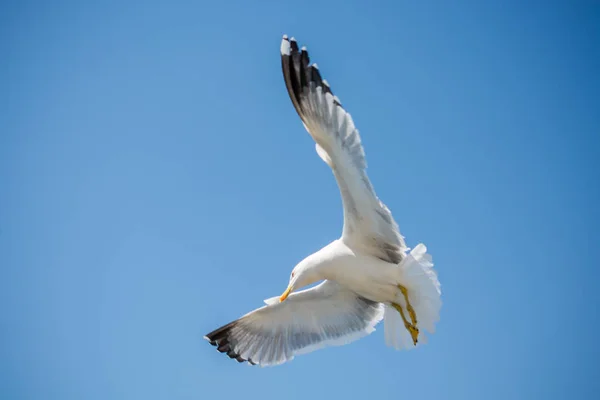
x: 411, y: 310
x: 412, y: 329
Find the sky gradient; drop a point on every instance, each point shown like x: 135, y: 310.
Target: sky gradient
x: 156, y: 183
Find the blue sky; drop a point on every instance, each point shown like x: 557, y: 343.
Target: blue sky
x: 155, y: 183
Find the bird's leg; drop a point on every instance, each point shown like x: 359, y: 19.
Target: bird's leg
x: 413, y: 330
x: 409, y: 308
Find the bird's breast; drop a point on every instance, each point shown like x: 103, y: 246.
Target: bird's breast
x: 368, y: 276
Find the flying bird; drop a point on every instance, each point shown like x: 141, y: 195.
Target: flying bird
x: 367, y: 275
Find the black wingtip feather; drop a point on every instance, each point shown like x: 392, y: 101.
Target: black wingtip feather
x: 220, y: 338
x: 294, y: 44
x: 315, y: 76
x: 299, y: 75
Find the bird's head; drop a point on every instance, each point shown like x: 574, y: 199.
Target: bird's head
x: 302, y: 275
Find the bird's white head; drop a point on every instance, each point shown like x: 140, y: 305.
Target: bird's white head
x: 303, y: 274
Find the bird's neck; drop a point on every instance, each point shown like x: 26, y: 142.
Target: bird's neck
x: 320, y: 263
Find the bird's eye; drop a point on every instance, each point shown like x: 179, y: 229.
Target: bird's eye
x: 293, y: 272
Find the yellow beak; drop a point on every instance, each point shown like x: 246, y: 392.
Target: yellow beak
x: 286, y: 293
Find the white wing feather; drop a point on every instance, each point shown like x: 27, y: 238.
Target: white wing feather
x: 325, y: 315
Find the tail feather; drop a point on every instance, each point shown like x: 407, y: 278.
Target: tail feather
x: 424, y: 292
x: 395, y: 333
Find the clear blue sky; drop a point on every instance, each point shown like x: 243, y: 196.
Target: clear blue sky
x: 156, y: 182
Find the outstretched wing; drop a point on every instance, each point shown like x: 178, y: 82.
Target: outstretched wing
x: 368, y: 223
x: 325, y: 315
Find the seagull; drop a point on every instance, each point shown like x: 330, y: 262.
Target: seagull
x: 365, y: 276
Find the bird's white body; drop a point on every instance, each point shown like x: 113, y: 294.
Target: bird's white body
x: 367, y: 276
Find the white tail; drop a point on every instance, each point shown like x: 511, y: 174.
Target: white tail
x: 420, y: 279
